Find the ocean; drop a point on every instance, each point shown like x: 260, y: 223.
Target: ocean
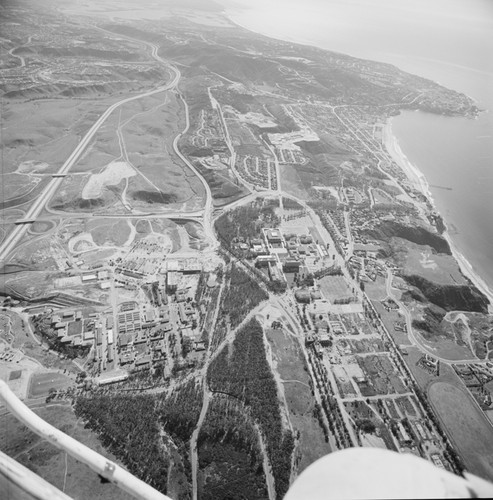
x: 448, y: 41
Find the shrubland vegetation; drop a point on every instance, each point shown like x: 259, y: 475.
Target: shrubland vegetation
x: 450, y: 297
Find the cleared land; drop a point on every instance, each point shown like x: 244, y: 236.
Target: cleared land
x: 467, y: 427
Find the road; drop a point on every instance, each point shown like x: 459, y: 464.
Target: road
x: 208, y: 201
x: 37, y: 207
x: 211, y: 356
x: 99, y: 464
x: 412, y: 336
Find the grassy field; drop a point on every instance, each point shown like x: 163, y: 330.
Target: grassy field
x: 147, y: 128
x: 447, y: 348
x: 47, y: 358
x: 40, y: 384
x: 109, y: 232
x: 291, y: 368
x: 420, y: 260
x: 466, y: 425
x: 292, y: 183
x: 334, y: 287
x: 77, y: 480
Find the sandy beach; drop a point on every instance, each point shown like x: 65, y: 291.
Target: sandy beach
x: 412, y: 173
x: 417, y: 178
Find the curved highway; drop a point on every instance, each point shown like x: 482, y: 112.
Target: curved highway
x: 18, y: 232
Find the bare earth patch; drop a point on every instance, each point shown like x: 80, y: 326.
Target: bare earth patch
x: 112, y: 175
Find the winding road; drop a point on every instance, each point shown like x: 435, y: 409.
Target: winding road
x: 37, y: 207
x: 415, y: 340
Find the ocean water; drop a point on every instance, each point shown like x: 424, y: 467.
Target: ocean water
x: 448, y: 41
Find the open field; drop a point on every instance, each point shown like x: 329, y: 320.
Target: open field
x: 109, y: 232
x: 130, y: 163
x: 77, y: 480
x: 41, y: 130
x: 466, y: 426
x: 37, y: 254
x: 290, y: 365
x: 446, y: 348
x: 420, y: 260
x: 334, y: 288
x: 41, y: 383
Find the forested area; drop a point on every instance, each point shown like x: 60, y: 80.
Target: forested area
x: 131, y: 428
x: 230, y: 458
x: 244, y: 373
x: 245, y: 223
x: 242, y: 295
x: 180, y: 411
x: 128, y: 427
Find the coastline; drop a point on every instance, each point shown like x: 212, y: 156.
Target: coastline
x: 391, y: 144
x: 416, y: 177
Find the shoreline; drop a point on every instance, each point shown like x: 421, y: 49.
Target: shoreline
x: 416, y: 177
x: 391, y: 144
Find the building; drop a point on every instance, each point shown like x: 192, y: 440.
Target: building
x: 111, y: 353
x: 88, y: 335
x: 274, y: 236
x: 172, y: 281
x: 99, y: 335
x: 143, y: 362
x: 291, y: 266
x: 124, y: 340
x: 302, y: 296
x: 88, y: 278
x: 182, y: 313
x: 265, y: 260
x: 366, y: 250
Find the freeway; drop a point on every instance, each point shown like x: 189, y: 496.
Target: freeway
x: 99, y: 464
x: 208, y: 202
x: 18, y: 232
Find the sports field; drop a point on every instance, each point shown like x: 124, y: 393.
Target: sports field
x: 335, y: 288
x: 41, y: 383
x: 466, y: 425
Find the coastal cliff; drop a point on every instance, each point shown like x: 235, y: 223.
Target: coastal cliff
x: 450, y: 297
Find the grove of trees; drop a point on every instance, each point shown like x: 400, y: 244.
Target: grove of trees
x: 244, y: 373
